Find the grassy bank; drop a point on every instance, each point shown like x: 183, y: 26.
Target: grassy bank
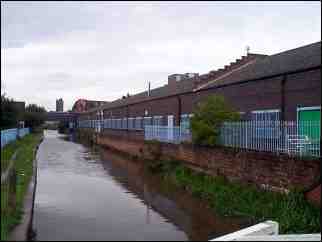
x: 24, y: 168
x: 293, y: 213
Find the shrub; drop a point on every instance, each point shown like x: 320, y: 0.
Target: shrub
x: 207, y: 119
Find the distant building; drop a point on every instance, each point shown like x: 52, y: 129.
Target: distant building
x: 59, y: 105
x: 83, y: 105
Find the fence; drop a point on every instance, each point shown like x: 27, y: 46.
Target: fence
x: 301, y: 138
x: 127, y: 124
x: 10, y: 135
x: 294, y: 138
x: 166, y: 134
x: 8, y: 196
x: 23, y: 132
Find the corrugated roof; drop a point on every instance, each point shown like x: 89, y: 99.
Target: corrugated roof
x: 300, y: 58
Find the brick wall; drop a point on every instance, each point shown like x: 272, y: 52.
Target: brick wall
x: 262, y: 169
x: 314, y: 195
x: 301, y: 89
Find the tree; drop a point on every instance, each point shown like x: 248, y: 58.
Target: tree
x: 9, y: 113
x: 34, y: 116
x: 208, y: 117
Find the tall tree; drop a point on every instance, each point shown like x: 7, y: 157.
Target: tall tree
x: 9, y: 113
x: 34, y: 115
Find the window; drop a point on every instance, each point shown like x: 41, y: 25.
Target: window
x: 185, y: 122
x: 266, y: 115
x: 131, y: 123
x: 119, y: 123
x: 109, y: 124
x: 242, y: 115
x: 124, y: 125
x: 265, y: 125
x: 147, y: 121
x: 138, y: 123
x: 105, y: 123
x: 113, y: 123
x: 157, y: 120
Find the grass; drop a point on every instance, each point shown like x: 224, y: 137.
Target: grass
x: 24, y: 169
x: 6, y: 154
x: 293, y: 213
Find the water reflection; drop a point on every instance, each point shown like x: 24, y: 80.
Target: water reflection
x: 95, y: 194
x: 189, y: 214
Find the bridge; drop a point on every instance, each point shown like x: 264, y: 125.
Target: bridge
x: 62, y: 116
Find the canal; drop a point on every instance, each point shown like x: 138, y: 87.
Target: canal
x: 86, y: 193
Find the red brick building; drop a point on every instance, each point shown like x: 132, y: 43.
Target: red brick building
x: 83, y: 105
x: 260, y: 87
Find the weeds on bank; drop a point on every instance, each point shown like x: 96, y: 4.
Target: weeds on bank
x: 24, y: 168
x: 293, y: 213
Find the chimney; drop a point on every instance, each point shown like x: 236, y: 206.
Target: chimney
x: 172, y: 79
x: 149, y: 90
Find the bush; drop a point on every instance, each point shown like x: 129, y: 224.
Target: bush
x: 207, y: 119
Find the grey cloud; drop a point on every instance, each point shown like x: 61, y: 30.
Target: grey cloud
x: 25, y: 22
x: 102, y: 50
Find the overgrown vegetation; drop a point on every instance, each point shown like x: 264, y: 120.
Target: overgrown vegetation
x: 12, y: 112
x: 208, y: 117
x: 24, y: 168
x: 293, y: 213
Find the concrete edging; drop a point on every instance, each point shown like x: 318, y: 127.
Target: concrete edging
x: 22, y: 231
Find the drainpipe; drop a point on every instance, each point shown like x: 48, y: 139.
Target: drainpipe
x: 179, y: 109
x: 284, y: 78
x: 127, y: 121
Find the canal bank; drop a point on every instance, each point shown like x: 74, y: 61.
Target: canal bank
x: 229, y: 196
x: 16, y: 216
x: 87, y: 193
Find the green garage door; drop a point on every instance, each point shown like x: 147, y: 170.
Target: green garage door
x: 310, y: 123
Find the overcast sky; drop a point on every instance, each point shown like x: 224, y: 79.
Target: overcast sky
x: 102, y: 51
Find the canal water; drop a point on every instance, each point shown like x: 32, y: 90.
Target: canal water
x: 86, y: 193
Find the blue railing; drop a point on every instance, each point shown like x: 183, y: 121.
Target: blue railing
x: 10, y: 135
x: 166, y: 134
x: 23, y: 132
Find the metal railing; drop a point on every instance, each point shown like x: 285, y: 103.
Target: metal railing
x: 301, y: 138
x: 10, y: 135
x: 8, y: 195
x: 119, y: 124
x: 166, y: 134
x: 23, y: 132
